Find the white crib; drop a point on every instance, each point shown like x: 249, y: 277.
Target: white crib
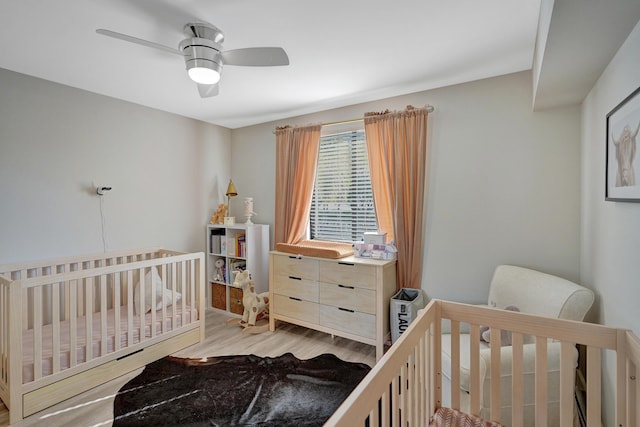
x: 405, y: 387
x: 68, y: 325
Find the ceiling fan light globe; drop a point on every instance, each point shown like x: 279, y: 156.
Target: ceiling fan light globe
x: 203, y: 75
x: 203, y: 71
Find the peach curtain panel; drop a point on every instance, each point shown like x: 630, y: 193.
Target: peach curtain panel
x: 296, y: 159
x: 397, y: 148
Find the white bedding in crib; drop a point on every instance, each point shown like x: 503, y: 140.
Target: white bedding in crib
x: 96, y: 336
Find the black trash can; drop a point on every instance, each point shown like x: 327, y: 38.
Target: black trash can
x: 404, y: 309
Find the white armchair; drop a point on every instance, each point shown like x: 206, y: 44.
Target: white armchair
x: 531, y: 292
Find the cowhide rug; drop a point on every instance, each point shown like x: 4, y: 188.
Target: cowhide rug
x: 237, y: 391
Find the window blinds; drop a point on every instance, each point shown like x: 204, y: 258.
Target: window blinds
x: 342, y: 205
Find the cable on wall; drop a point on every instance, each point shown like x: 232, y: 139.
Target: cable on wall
x: 100, y: 191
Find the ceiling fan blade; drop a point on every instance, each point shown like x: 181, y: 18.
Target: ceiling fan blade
x: 207, y: 91
x: 136, y: 40
x: 256, y: 57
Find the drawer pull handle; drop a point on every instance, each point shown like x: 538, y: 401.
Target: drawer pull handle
x: 346, y: 287
x: 350, y: 264
x: 295, y: 256
x: 295, y: 278
x: 295, y: 299
x: 346, y: 309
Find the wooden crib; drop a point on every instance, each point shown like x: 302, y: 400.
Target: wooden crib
x: 68, y: 325
x: 405, y: 387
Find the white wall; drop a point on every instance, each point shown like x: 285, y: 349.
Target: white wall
x: 504, y: 181
x: 610, y: 249
x: 57, y: 143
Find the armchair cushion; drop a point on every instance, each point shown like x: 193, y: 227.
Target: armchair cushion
x: 539, y: 293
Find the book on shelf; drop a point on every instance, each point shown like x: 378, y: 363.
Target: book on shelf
x: 240, y: 245
x: 215, y: 237
x: 231, y: 246
x: 214, y: 244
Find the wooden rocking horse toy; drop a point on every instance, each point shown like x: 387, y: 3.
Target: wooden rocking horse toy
x: 256, y: 306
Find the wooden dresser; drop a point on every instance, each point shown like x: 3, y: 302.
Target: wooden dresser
x: 348, y: 297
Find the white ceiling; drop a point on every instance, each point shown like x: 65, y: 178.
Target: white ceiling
x: 341, y: 52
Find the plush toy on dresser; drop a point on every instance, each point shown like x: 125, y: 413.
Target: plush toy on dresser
x: 256, y: 306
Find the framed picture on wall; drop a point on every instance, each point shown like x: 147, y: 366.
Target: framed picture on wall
x: 622, y: 176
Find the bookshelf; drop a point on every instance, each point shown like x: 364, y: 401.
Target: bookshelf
x: 236, y: 247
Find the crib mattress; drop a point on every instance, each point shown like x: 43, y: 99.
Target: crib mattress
x: 96, y: 334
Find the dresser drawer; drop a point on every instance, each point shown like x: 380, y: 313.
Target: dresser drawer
x: 294, y: 287
x: 303, y: 268
x: 354, y: 322
x: 295, y: 308
x: 348, y: 273
x: 350, y: 297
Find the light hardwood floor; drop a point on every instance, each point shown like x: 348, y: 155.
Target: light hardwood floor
x: 95, y: 407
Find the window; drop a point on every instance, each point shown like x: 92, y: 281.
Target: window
x: 342, y: 205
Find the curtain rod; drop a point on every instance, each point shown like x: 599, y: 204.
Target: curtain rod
x: 342, y: 122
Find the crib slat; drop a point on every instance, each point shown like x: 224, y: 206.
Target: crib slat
x: 373, y: 417
x: 14, y: 321
x: 474, y: 374
x: 25, y: 301
x: 4, y: 327
x: 621, y: 379
x: 633, y: 385
x: 73, y: 322
x: 55, y: 320
x: 394, y: 399
x: 455, y: 364
x: 594, y: 385
x: 411, y: 384
x: 192, y: 292
x: 103, y: 315
x: 67, y: 301
x: 183, y: 282
x: 117, y: 303
x: 517, y: 385
x: 435, y: 352
x: 495, y: 374
x: 174, y: 278
x: 88, y: 292
x: 130, y: 307
x: 140, y: 308
x: 200, y: 297
x: 164, y: 308
x: 37, y: 333
x: 567, y: 383
x: 384, y: 410
x: 421, y: 387
x: 154, y: 292
x: 632, y: 394
x: 541, y: 382
x: 403, y: 394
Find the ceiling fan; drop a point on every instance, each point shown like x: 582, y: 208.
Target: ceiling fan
x: 204, y: 57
